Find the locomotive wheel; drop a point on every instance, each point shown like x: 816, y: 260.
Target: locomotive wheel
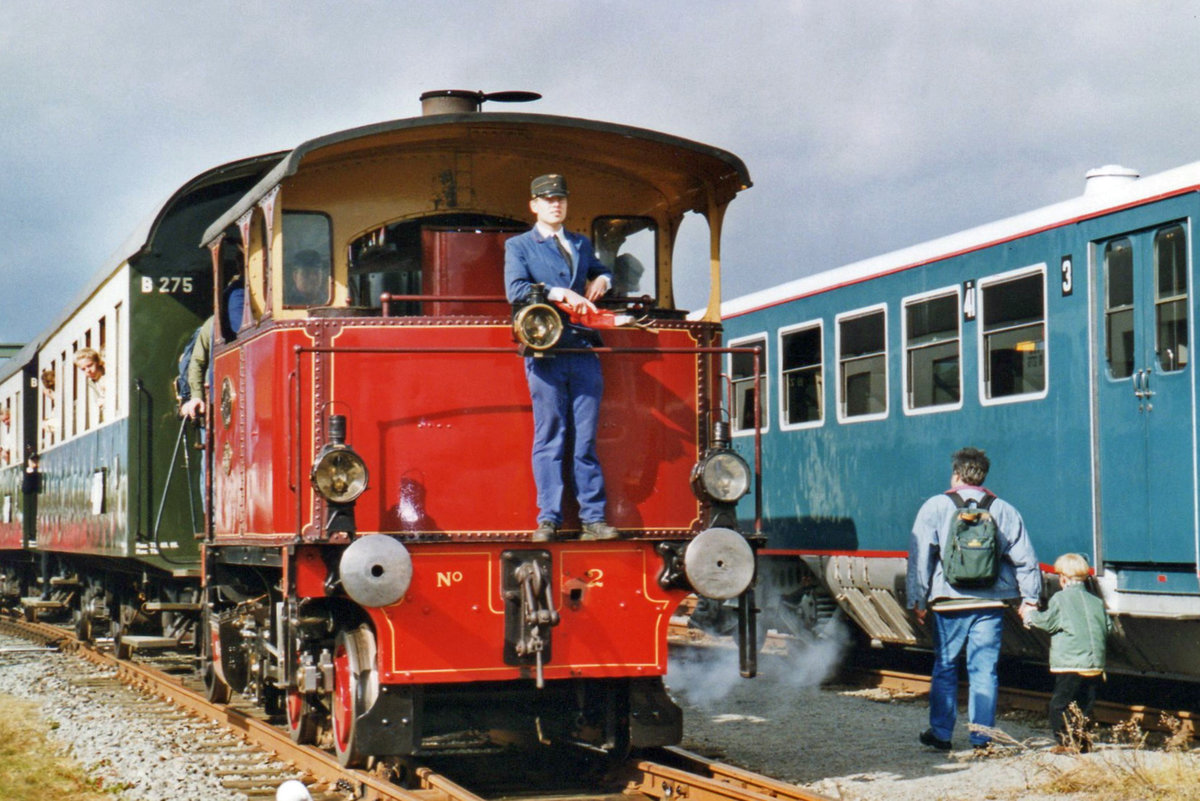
x: 355, y: 686
x: 121, y: 649
x: 83, y: 628
x: 215, y: 689
x: 301, y: 718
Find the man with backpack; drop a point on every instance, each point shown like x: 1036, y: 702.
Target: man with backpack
x: 969, y: 555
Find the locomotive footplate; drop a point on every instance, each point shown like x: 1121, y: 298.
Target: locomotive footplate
x: 528, y: 613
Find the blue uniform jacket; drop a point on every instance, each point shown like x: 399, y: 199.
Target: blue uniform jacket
x: 1020, y: 574
x: 531, y: 258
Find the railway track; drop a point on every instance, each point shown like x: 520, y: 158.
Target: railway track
x: 1147, y: 717
x: 264, y: 755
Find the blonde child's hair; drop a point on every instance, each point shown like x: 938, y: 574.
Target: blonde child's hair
x: 1072, y: 566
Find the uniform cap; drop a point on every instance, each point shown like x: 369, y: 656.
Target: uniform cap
x: 551, y: 185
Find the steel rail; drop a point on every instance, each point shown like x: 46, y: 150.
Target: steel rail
x: 705, y: 780
x: 1147, y: 717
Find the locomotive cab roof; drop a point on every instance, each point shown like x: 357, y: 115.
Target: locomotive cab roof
x: 481, y: 164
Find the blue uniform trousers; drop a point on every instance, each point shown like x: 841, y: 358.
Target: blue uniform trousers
x: 565, y: 390
x: 979, y: 631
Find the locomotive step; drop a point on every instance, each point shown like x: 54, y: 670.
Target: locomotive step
x: 35, y: 602
x: 141, y: 642
x: 161, y: 606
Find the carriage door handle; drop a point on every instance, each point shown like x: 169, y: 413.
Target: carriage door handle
x: 1138, y: 392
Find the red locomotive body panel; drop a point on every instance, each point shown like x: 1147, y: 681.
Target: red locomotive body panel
x: 254, y: 482
x: 441, y: 415
x: 450, y: 625
x: 447, y: 436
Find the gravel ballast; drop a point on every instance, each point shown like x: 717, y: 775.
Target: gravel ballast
x: 843, y: 743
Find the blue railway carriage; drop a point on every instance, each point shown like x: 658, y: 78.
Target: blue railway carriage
x: 1057, y: 340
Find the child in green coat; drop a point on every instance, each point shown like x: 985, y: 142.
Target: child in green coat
x: 1078, y: 625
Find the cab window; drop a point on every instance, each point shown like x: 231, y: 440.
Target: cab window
x: 306, y: 259
x: 628, y: 246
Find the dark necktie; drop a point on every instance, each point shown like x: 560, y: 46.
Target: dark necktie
x: 566, y: 254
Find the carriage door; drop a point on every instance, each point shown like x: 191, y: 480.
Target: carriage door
x: 1145, y: 435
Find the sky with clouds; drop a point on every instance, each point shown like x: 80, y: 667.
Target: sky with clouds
x: 867, y: 125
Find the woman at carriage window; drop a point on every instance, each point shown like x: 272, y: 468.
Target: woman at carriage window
x: 48, y: 382
x: 5, y: 434
x: 91, y: 364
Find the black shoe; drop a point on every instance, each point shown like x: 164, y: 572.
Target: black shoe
x: 546, y: 531
x: 599, y: 530
x: 930, y: 739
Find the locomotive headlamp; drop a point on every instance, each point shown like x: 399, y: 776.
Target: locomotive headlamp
x: 721, y: 475
x: 339, y: 474
x: 537, y: 325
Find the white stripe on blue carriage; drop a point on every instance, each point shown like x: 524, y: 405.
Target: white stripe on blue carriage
x: 1109, y: 189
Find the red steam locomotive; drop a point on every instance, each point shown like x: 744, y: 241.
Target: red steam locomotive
x: 366, y: 568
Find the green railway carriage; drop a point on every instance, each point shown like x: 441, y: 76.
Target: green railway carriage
x: 113, y: 489
x: 18, y: 505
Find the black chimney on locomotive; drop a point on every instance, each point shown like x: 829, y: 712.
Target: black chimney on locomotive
x: 466, y: 101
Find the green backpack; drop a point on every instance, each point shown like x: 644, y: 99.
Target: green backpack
x: 972, y: 555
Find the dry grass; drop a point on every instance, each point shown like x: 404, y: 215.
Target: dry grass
x: 30, y: 768
x: 1124, y: 765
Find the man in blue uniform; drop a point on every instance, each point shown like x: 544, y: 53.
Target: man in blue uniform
x: 565, y: 387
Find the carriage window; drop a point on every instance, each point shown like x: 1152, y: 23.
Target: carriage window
x: 932, y: 351
x: 803, y: 382
x: 306, y: 260
x: 862, y: 365
x: 627, y: 246
x: 1014, y: 337
x: 741, y: 374
x: 1170, y: 298
x: 1118, y: 308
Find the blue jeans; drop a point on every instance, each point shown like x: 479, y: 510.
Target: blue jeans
x: 565, y: 390
x: 979, y: 631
